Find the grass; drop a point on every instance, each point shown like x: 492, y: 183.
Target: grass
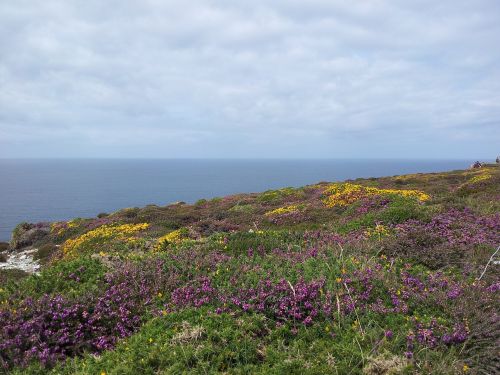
x: 381, y: 285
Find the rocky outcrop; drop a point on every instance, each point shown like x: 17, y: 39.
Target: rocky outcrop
x: 477, y: 164
x: 21, y: 260
x: 27, y: 234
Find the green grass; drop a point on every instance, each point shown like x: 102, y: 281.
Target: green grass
x: 250, y: 248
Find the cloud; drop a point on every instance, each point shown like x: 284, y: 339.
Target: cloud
x: 320, y: 78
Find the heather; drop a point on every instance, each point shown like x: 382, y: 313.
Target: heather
x: 369, y: 276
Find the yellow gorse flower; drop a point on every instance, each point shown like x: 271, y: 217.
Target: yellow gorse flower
x: 478, y: 177
x: 102, y: 234
x: 483, y: 176
x: 378, y: 231
x: 282, y: 210
x: 343, y: 194
x: 175, y: 237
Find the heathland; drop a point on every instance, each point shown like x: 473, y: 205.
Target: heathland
x: 370, y: 276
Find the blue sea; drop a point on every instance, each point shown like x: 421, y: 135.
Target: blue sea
x: 51, y: 190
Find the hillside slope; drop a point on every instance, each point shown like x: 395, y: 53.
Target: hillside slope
x: 373, y: 276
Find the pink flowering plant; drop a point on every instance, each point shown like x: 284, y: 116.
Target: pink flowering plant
x: 274, y: 282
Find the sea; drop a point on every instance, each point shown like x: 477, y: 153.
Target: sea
x: 61, y: 189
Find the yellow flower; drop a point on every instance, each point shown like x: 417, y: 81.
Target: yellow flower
x: 102, y: 234
x: 103, y: 372
x: 339, y: 279
x: 175, y: 237
x: 327, y: 329
x: 150, y: 340
x: 480, y: 177
x: 282, y: 210
x: 160, y: 295
x: 379, y: 231
x: 466, y: 368
x: 343, y: 194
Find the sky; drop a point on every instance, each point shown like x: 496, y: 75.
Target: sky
x: 250, y: 79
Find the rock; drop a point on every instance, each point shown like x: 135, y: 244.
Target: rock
x: 477, y: 164
x: 27, y: 234
x: 22, y: 260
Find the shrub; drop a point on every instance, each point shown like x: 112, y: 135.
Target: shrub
x: 52, y: 328
x: 418, y: 246
x: 173, y: 238
x: 243, y: 208
x: 45, y: 253
x: 260, y: 241
x: 105, y: 234
x: 11, y: 275
x: 68, y: 277
x: 343, y: 194
x: 279, y: 195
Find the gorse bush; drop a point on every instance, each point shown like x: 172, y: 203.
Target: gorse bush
x: 104, y: 234
x: 371, y: 277
x: 343, y: 194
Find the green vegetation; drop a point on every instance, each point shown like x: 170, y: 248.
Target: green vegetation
x: 373, y: 276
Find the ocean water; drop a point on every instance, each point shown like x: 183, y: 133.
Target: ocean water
x: 50, y: 190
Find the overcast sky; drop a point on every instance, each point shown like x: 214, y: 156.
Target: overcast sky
x: 280, y: 78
